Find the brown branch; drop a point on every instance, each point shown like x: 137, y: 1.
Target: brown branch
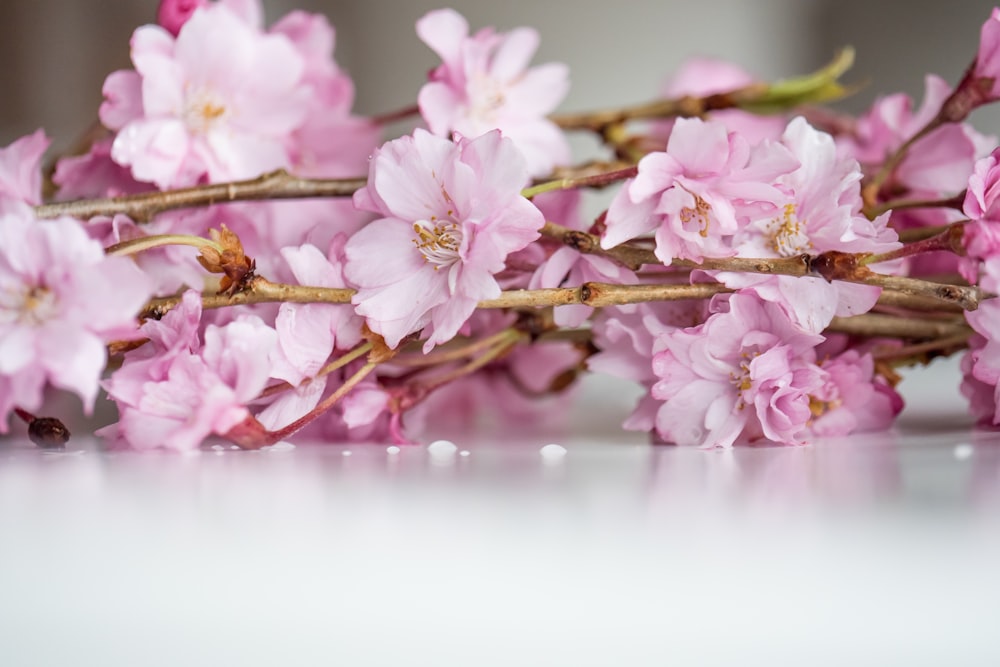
x: 142, y: 207
x: 876, y: 324
x: 681, y: 106
x: 597, y: 295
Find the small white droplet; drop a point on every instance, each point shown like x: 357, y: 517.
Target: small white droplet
x: 442, y: 451
x: 218, y: 448
x: 280, y: 447
x: 552, y: 453
x: 234, y: 447
x: 346, y: 452
x: 464, y: 453
x: 963, y: 451
x: 392, y: 451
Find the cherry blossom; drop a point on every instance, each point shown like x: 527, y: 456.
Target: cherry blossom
x: 982, y: 364
x: 853, y: 399
x: 61, y: 301
x: 308, y: 334
x: 984, y: 77
x: 700, y: 77
x: 697, y: 194
x: 219, y: 101
x: 982, y: 234
x: 484, y: 83
x: 567, y: 267
x: 819, y: 210
x: 746, y: 372
x: 20, y: 169
x: 187, y: 390
x: 452, y: 212
x: 172, y: 14
x: 627, y: 337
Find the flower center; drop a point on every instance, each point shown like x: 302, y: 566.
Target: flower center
x: 740, y: 378
x: 698, y: 215
x: 202, y: 111
x: 486, y: 98
x: 819, y: 407
x: 30, y: 306
x: 788, y: 236
x: 438, y: 241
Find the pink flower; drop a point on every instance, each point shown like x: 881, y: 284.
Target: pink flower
x: 937, y: 165
x: 745, y: 372
x: 983, y: 378
x: 818, y: 210
x: 696, y: 196
x: 21, y: 169
x: 567, y: 267
x: 186, y: 392
x: 987, y: 64
x: 982, y: 235
x: 94, y: 174
x: 982, y: 402
x: 627, y: 339
x: 700, y: 77
x: 308, y: 334
x: 484, y: 83
x: 331, y: 143
x: 451, y: 215
x: 221, y: 100
x: 172, y: 14
x: 852, y: 399
x: 61, y: 301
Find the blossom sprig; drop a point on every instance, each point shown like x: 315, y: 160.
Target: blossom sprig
x: 258, y: 266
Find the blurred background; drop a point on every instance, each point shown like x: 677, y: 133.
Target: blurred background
x: 56, y: 53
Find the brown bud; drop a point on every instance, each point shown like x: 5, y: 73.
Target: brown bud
x: 48, y: 433
x: 232, y: 262
x: 835, y: 265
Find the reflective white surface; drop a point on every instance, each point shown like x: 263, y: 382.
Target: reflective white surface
x: 869, y: 550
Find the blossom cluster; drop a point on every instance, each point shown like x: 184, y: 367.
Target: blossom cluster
x: 759, y: 276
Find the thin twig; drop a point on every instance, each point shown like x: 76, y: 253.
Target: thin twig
x: 877, y: 324
x: 142, y: 207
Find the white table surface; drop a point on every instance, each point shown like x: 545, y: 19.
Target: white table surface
x: 869, y: 550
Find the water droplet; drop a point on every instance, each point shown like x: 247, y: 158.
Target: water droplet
x: 392, y: 451
x: 464, y: 453
x: 346, y: 452
x: 442, y: 451
x: 552, y: 453
x: 963, y: 451
x: 280, y: 447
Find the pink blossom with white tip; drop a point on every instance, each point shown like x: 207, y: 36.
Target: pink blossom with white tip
x: 484, y: 83
x: 452, y: 212
x: 61, y: 301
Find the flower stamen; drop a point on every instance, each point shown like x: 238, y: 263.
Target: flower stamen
x: 439, y: 242
x: 789, y: 238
